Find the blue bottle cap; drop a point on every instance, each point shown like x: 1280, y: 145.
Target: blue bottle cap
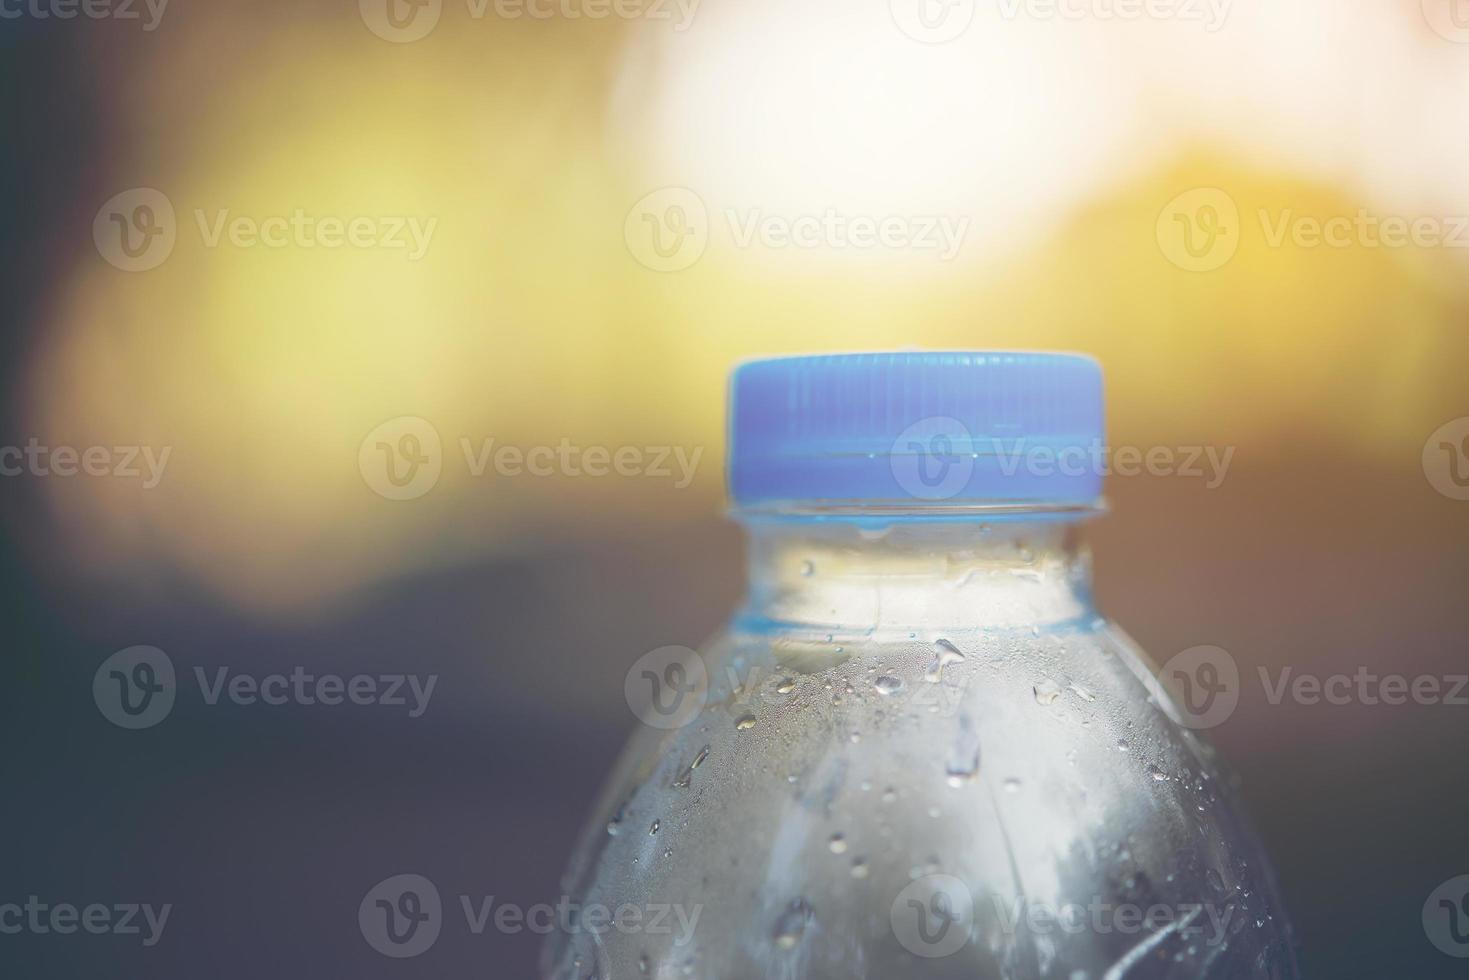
x: 914, y: 428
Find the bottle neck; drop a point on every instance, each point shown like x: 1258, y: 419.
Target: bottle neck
x: 918, y: 570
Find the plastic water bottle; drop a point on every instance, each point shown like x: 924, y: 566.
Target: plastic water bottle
x: 918, y: 750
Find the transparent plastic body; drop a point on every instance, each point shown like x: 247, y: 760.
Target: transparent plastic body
x: 923, y: 754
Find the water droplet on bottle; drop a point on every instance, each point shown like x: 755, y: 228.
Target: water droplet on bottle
x: 699, y: 759
x: 963, y: 761
x: 838, y: 844
x: 745, y: 723
x: 1158, y: 774
x: 654, y: 828
x: 889, y: 794
x: 1046, y: 692
x: 808, y: 569
x: 887, y: 684
x: 1216, y: 883
x: 791, y: 926
x: 944, y: 653
x: 785, y: 685
x: 859, y: 868
x: 643, y: 965
x: 1012, y: 785
x: 1122, y: 745
x: 1083, y: 693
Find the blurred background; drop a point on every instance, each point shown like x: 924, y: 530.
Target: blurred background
x: 247, y: 247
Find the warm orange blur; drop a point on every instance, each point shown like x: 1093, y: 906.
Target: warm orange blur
x: 537, y: 312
